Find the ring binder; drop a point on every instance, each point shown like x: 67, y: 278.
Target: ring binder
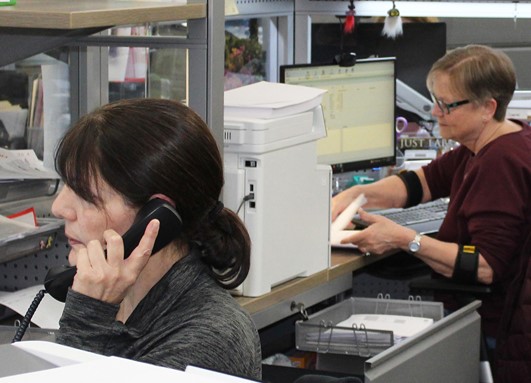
x: 367, y: 348
x: 381, y: 298
x: 327, y: 332
x: 324, y: 325
x: 418, y: 300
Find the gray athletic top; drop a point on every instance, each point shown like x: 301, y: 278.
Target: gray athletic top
x: 185, y: 319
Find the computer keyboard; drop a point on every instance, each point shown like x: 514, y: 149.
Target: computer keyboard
x: 424, y: 218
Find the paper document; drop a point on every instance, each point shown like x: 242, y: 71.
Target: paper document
x: 27, y: 216
x: 48, y: 312
x: 79, y: 366
x: 23, y: 164
x: 12, y: 229
x: 108, y: 369
x: 338, y: 228
x: 270, y: 100
x: 57, y: 354
x: 400, y: 325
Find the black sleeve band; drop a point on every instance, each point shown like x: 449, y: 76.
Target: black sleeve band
x: 413, y: 187
x: 466, y: 264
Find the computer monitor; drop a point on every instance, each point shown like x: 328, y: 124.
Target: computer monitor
x: 358, y: 108
x: 420, y: 45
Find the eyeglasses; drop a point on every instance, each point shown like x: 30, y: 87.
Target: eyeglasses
x: 446, y: 108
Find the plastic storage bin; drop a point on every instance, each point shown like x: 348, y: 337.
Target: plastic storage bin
x: 445, y: 351
x: 42, y: 238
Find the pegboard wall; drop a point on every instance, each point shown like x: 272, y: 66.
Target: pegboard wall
x: 365, y: 285
x: 31, y: 269
x: 381, y: 279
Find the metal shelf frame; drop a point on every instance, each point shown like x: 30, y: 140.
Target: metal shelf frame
x: 205, y: 45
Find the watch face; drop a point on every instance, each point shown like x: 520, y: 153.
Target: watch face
x: 414, y: 245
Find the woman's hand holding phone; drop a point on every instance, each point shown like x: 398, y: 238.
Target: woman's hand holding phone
x: 107, y: 275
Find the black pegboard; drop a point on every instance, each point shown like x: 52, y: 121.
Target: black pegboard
x: 31, y: 269
x: 368, y: 285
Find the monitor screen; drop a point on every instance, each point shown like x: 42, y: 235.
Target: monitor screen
x: 358, y: 108
x: 420, y: 45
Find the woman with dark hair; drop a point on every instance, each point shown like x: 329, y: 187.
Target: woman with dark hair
x: 170, y: 308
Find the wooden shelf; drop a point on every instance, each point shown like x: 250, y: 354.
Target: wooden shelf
x: 67, y: 14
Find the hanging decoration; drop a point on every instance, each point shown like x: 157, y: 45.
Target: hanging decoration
x: 350, y: 21
x: 393, y: 23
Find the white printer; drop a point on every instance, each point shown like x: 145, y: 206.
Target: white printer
x: 273, y: 182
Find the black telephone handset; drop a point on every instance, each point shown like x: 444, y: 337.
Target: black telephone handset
x: 59, y: 279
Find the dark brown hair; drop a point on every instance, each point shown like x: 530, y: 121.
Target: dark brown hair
x: 142, y: 147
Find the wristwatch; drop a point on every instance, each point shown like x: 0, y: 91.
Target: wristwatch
x: 414, y: 245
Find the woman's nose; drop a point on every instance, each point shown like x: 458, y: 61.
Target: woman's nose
x: 60, y: 206
x: 436, y: 110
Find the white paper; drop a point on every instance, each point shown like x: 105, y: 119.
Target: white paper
x: 342, y: 220
x: 48, y: 312
x: 11, y: 229
x: 57, y: 354
x: 23, y: 164
x: 27, y: 217
x: 337, y: 236
x: 400, y: 325
x: 83, y: 366
x: 110, y: 369
x: 337, y: 229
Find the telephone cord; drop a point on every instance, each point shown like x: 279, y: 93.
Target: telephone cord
x: 29, y: 314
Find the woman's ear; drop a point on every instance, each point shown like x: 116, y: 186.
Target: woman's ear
x: 164, y: 198
x: 490, y: 107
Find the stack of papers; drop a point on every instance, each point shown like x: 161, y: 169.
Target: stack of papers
x: 22, y: 164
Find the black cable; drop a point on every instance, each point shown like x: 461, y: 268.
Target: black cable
x: 27, y: 318
x: 248, y: 197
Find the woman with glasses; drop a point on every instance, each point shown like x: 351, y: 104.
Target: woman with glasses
x: 487, y: 178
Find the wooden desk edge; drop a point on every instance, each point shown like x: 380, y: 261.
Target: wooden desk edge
x: 342, y: 262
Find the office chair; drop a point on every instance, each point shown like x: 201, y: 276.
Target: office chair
x: 463, y: 295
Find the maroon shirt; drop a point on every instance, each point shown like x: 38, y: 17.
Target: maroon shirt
x: 490, y: 196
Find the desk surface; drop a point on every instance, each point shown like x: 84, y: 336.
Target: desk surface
x: 343, y: 263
